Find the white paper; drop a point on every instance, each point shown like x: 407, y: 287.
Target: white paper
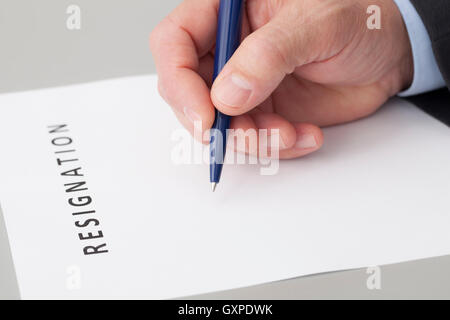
x: 377, y: 193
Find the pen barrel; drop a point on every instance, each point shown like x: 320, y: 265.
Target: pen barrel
x: 229, y: 28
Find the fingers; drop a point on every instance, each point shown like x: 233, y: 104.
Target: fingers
x: 268, y: 135
x: 248, y: 130
x: 251, y: 75
x: 259, y: 65
x: 186, y: 17
x: 177, y: 44
x: 308, y: 140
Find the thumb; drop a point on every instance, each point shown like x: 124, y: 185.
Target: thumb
x: 258, y: 66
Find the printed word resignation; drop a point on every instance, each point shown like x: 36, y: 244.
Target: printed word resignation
x: 75, y: 187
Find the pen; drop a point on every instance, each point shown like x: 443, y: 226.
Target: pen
x: 229, y: 28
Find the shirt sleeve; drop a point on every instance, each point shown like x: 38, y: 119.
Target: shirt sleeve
x: 427, y: 76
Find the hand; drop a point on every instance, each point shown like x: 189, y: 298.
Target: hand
x: 302, y: 64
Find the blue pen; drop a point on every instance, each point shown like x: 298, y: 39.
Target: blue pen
x: 228, y: 39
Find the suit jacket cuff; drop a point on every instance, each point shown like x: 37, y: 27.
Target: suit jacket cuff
x: 427, y: 76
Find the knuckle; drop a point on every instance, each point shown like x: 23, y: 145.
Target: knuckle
x: 154, y: 38
x: 157, y: 34
x: 162, y: 90
x: 271, y: 49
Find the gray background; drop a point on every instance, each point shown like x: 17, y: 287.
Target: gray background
x: 37, y: 50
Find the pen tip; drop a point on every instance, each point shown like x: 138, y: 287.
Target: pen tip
x: 213, y: 186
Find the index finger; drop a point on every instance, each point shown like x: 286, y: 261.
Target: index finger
x: 177, y: 44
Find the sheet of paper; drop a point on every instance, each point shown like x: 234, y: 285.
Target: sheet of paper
x: 377, y: 193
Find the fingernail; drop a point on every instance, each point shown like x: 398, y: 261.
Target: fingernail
x: 233, y: 91
x: 191, y: 115
x: 306, y: 141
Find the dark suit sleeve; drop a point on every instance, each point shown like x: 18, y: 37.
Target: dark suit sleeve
x: 435, y: 15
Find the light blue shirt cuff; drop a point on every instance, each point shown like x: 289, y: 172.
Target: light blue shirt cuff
x: 427, y: 76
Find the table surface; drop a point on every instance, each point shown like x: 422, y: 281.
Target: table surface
x: 39, y: 51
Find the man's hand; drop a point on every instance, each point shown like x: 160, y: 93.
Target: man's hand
x: 302, y: 64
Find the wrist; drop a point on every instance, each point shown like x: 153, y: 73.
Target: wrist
x: 405, y: 68
x: 406, y: 72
